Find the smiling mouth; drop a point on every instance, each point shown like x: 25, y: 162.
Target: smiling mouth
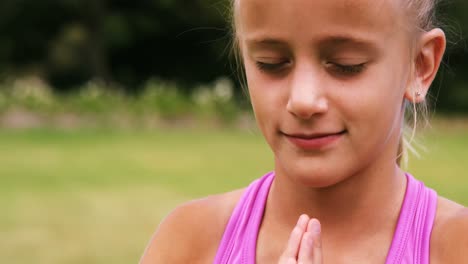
x: 314, y: 141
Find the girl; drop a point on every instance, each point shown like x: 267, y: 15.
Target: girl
x: 328, y: 81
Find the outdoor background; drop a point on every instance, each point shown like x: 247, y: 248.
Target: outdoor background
x: 113, y: 112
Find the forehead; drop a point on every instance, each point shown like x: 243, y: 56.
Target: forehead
x: 314, y: 18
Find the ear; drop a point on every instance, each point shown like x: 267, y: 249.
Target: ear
x: 428, y: 56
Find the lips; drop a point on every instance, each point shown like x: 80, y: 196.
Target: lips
x: 314, y: 141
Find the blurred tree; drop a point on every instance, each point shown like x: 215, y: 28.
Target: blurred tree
x: 450, y: 91
x: 70, y: 42
x: 178, y: 40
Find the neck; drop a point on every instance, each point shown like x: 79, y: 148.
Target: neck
x: 361, y: 203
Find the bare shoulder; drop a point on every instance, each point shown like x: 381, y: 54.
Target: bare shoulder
x: 449, y: 242
x: 192, y: 231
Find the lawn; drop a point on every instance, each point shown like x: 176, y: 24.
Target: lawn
x: 96, y: 196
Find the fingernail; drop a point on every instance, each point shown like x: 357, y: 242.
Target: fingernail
x: 315, y: 226
x: 303, y: 219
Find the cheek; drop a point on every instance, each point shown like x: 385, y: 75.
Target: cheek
x: 262, y: 102
x: 266, y: 95
x: 258, y: 97
x: 374, y: 106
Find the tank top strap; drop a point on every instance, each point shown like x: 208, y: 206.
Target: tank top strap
x: 411, y: 239
x: 239, y: 241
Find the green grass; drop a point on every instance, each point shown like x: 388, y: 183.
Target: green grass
x: 443, y: 166
x: 96, y: 196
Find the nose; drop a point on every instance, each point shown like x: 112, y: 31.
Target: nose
x: 306, y: 94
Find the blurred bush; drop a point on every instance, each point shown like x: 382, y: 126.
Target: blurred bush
x: 97, y: 104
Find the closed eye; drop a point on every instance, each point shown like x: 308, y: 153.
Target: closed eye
x: 343, y: 69
x: 270, y: 67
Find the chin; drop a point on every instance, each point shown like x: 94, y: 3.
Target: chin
x: 313, y: 175
x: 316, y: 180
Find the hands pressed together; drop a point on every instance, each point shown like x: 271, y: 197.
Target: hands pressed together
x: 304, y: 245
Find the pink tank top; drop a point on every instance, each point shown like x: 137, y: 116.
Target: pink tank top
x: 410, y: 242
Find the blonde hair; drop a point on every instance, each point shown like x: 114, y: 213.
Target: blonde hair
x: 421, y: 14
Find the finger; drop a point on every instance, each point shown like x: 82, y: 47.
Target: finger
x: 294, y: 241
x: 306, y: 249
x: 303, y: 222
x: 315, y: 230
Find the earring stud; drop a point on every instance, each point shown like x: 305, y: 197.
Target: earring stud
x: 418, y: 94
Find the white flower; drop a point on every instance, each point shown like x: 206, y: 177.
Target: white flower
x: 203, y: 95
x: 223, y: 89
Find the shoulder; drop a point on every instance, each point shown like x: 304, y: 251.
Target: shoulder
x: 192, y: 231
x: 449, y: 242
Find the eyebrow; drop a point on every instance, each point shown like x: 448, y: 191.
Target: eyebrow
x: 324, y: 42
x: 263, y: 42
x: 344, y: 40
x: 363, y: 44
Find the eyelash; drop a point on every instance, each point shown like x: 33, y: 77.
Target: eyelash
x: 269, y: 67
x: 338, y: 68
x: 346, y: 69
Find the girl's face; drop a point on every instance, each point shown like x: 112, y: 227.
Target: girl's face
x: 327, y: 80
